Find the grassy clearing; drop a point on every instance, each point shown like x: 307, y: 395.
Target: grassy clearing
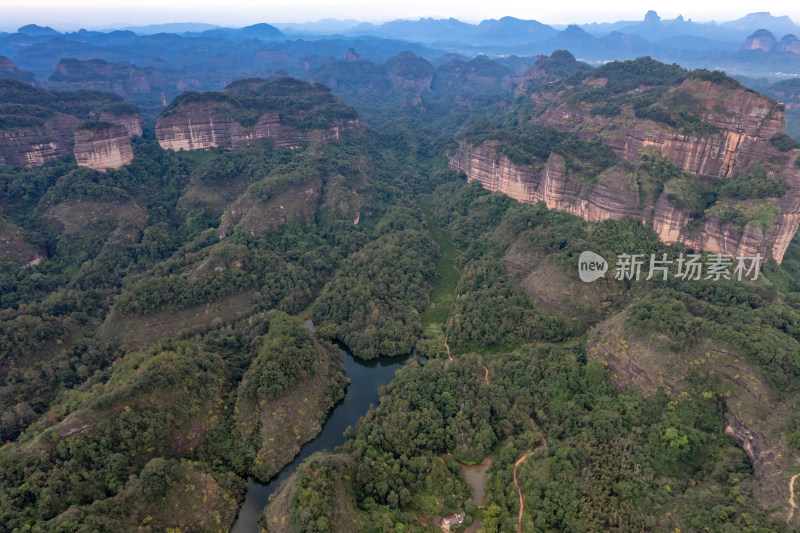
x: 443, y: 293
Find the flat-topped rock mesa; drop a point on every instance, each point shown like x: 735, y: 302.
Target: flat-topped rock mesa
x: 287, y: 111
x: 37, y: 126
x: 705, y: 124
x: 120, y: 78
x: 407, y: 71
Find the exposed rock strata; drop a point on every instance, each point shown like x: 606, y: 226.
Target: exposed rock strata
x: 30, y: 141
x: 103, y: 147
x: 745, y: 122
x: 201, y: 128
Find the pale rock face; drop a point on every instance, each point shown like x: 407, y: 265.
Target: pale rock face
x: 132, y: 122
x: 616, y: 196
x: 760, y: 40
x: 201, y: 129
x: 612, y: 197
x: 103, y: 148
x: 746, y: 122
x: 789, y: 45
x: 418, y: 84
x: 35, y: 147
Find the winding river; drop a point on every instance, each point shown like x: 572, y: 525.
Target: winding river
x: 365, y: 378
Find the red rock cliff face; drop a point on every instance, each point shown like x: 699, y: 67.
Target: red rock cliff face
x: 614, y: 196
x: 745, y: 121
x: 103, y: 147
x: 35, y: 147
x: 199, y: 128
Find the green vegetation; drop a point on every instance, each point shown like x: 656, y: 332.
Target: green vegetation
x: 373, y: 303
x: 754, y: 185
x: 287, y: 354
x: 443, y: 292
x: 783, y: 142
x: 531, y: 145
x: 624, y: 76
x: 94, y: 125
x: 493, y: 310
x: 409, y: 66
x: 298, y: 104
x: 313, y: 497
x: 616, y: 393
x: 25, y: 106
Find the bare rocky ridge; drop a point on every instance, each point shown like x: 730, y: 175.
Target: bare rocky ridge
x: 745, y: 122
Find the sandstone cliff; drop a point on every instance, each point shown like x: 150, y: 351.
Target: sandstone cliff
x: 103, y: 145
x: 288, y: 112
x: 739, y: 125
x: 32, y: 139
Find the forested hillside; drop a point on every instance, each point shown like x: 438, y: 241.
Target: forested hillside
x: 155, y: 356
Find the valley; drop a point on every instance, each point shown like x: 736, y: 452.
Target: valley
x: 341, y: 293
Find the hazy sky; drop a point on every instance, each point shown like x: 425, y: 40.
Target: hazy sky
x: 105, y: 13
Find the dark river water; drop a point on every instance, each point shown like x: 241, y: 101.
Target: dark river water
x: 365, y: 378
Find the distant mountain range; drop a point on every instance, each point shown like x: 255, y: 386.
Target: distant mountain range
x: 150, y: 65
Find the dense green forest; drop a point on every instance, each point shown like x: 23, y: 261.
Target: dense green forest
x: 157, y: 356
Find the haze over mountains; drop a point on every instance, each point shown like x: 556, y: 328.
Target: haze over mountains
x: 191, y: 215
x: 150, y: 65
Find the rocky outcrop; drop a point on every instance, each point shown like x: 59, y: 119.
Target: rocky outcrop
x: 132, y: 122
x: 744, y: 122
x: 9, y: 70
x: 258, y: 217
x: 760, y: 40
x: 199, y: 121
x: 32, y: 140
x: 613, y: 196
x: 410, y: 72
x: 789, y: 44
x: 616, y: 196
x: 200, y: 128
x: 29, y: 147
x: 104, y: 145
x: 34, y: 147
x: 14, y: 247
x: 767, y: 468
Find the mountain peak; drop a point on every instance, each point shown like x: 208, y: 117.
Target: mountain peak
x: 760, y: 40
x: 36, y: 30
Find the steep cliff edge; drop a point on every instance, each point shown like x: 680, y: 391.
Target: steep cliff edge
x: 102, y: 145
x: 37, y: 126
x: 287, y: 111
x: 732, y: 189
